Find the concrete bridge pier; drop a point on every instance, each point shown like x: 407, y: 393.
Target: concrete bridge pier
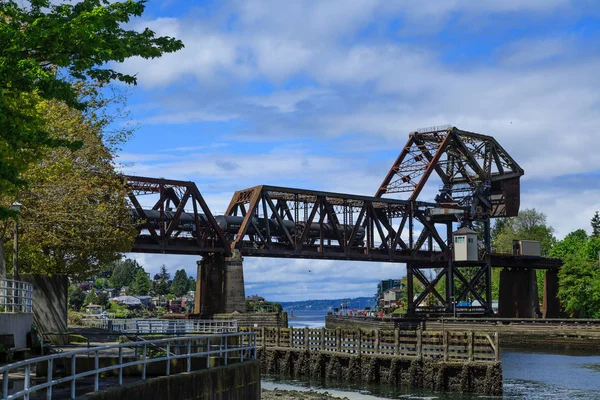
x: 518, y: 297
x: 551, y: 305
x: 220, y: 285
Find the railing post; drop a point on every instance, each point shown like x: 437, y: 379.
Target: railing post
x: 121, y: 366
x: 306, y: 340
x: 264, y: 340
x: 396, y: 341
x: 73, y: 372
x: 291, y: 337
x: 446, y: 345
x: 207, y: 352
x: 50, y: 371
x: 323, y: 339
x: 144, y: 365
x: 338, y: 339
x: 27, y: 381
x: 359, y: 342
x: 5, y: 385
x: 226, y: 351
x: 97, y: 376
x: 419, y: 344
x: 377, y: 341
x: 168, y: 358
x: 278, y: 337
x: 470, y: 345
x: 189, y: 355
x: 497, y: 347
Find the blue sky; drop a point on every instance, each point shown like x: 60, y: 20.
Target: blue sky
x: 323, y: 94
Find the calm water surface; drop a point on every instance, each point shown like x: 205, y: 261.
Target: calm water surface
x: 527, y: 375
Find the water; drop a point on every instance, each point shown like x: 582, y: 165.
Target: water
x: 527, y: 375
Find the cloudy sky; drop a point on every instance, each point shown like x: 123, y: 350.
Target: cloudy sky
x: 322, y: 95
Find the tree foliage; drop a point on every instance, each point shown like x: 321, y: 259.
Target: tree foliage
x: 45, y: 49
x: 180, y: 283
x: 528, y: 225
x: 162, y: 282
x: 141, y: 285
x: 76, y: 299
x: 124, y: 273
x: 595, y: 222
x: 579, y: 289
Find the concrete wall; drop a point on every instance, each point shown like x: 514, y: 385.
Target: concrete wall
x: 49, y: 302
x: 477, y: 377
x: 18, y: 325
x: 234, y: 382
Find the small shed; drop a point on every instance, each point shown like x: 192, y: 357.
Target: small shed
x: 465, y: 245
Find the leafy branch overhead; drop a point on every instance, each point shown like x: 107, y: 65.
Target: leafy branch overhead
x: 45, y: 50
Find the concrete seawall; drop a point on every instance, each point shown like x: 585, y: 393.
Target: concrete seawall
x: 233, y: 382
x: 478, y: 377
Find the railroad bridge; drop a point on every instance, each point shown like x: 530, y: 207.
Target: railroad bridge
x: 471, y: 178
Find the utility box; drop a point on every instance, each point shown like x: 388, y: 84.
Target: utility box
x: 465, y: 245
x: 531, y: 248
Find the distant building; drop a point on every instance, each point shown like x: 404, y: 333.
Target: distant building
x: 384, y: 286
x: 391, y: 298
x: 255, y: 298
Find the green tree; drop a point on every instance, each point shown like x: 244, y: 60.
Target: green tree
x: 124, y: 273
x: 102, y: 299
x: 141, y: 285
x: 180, y: 283
x: 76, y: 299
x: 191, y: 284
x: 91, y: 298
x: 100, y: 284
x: 571, y: 245
x: 579, y: 288
x: 595, y: 222
x: 162, y: 283
x: 528, y: 225
x: 45, y: 50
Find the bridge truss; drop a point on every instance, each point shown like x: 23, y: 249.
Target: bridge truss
x: 476, y: 181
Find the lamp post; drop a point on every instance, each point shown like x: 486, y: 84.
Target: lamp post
x: 17, y: 208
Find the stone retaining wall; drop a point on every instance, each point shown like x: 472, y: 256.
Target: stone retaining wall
x: 477, y: 377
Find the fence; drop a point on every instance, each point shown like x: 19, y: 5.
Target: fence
x: 446, y: 345
x: 230, y: 347
x: 163, y: 326
x: 16, y: 296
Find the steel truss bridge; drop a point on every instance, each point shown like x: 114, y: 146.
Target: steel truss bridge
x: 471, y: 178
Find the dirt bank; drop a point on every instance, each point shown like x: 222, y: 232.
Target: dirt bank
x: 277, y: 394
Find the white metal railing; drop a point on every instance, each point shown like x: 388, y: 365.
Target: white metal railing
x: 163, y: 326
x: 229, y: 348
x: 15, y: 296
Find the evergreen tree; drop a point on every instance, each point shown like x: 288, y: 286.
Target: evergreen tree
x: 76, y: 299
x: 142, y: 284
x: 180, y: 283
x: 595, y: 222
x: 162, y: 282
x: 91, y: 298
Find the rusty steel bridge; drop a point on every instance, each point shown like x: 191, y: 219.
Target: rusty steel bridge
x: 471, y: 178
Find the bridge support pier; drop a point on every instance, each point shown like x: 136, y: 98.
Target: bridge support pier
x: 220, y: 285
x: 551, y: 305
x: 518, y: 295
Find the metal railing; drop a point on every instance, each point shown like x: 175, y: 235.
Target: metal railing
x: 229, y: 348
x: 163, y: 326
x: 15, y: 296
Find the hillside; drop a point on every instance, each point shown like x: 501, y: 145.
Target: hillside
x: 329, y: 304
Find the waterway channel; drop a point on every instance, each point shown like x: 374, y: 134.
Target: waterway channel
x: 527, y: 374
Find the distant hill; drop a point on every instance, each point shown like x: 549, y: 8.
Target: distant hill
x: 329, y: 305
